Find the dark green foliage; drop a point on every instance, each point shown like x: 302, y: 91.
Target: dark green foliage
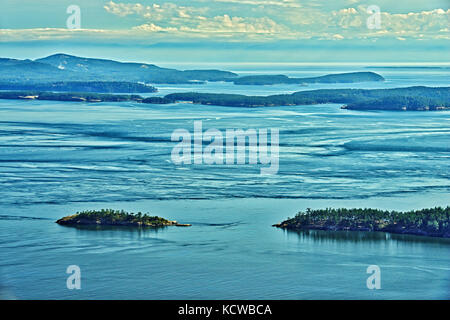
x: 411, y: 98
x: 157, y: 100
x: 69, y: 96
x: 432, y: 221
x: 81, y: 86
x: 111, y: 216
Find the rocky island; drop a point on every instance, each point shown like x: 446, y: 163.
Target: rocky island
x: 110, y: 217
x: 433, y: 222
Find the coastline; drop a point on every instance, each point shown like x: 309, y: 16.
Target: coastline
x: 416, y: 98
x: 433, y: 222
x: 108, y: 217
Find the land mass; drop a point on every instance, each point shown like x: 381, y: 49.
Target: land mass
x: 417, y: 98
x: 109, y: 217
x: 69, y: 96
x: 350, y: 77
x: 433, y: 222
x: 80, y: 86
x: 66, y: 68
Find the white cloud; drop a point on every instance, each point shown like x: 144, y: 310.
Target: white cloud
x: 155, y: 12
x: 280, y: 3
x: 151, y: 27
x: 411, y: 24
x: 227, y: 24
x: 284, y: 20
x: 172, y: 18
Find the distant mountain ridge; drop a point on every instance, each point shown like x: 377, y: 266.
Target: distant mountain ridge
x: 64, y: 67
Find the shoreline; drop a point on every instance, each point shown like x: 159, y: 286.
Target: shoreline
x: 417, y: 98
x: 432, y: 222
x: 119, y: 218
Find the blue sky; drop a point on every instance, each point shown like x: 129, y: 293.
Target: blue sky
x: 237, y: 30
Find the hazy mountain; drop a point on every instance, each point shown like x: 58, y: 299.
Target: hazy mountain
x: 63, y: 67
x: 25, y: 70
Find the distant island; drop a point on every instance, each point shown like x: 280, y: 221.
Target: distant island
x: 417, y: 98
x: 433, y: 222
x: 80, y: 86
x: 350, y: 77
x: 66, y: 68
x: 408, y: 67
x: 110, y: 217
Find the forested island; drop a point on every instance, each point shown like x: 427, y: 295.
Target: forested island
x: 433, y: 222
x: 80, y: 86
x: 110, y: 217
x: 411, y: 98
x: 65, y: 67
x: 417, y: 98
x: 69, y: 96
x: 62, y: 67
x: 350, y: 77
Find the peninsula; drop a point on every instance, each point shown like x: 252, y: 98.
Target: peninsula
x: 433, y: 222
x: 109, y: 217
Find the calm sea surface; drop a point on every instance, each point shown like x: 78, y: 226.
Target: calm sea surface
x: 58, y: 158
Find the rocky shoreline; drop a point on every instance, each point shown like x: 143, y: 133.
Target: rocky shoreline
x: 427, y: 222
x: 116, y: 218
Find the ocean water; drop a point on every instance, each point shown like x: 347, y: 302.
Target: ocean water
x: 57, y: 158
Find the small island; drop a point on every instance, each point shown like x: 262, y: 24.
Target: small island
x: 433, y: 222
x: 110, y: 217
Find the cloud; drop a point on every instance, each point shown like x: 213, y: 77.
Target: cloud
x: 279, y: 3
x: 285, y: 18
x: 413, y: 24
x: 151, y: 27
x: 155, y: 12
x: 180, y: 19
x: 266, y: 20
x: 227, y: 24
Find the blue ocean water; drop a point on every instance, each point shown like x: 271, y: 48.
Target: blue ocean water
x: 57, y: 158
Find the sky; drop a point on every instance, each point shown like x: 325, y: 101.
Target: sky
x: 406, y: 31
